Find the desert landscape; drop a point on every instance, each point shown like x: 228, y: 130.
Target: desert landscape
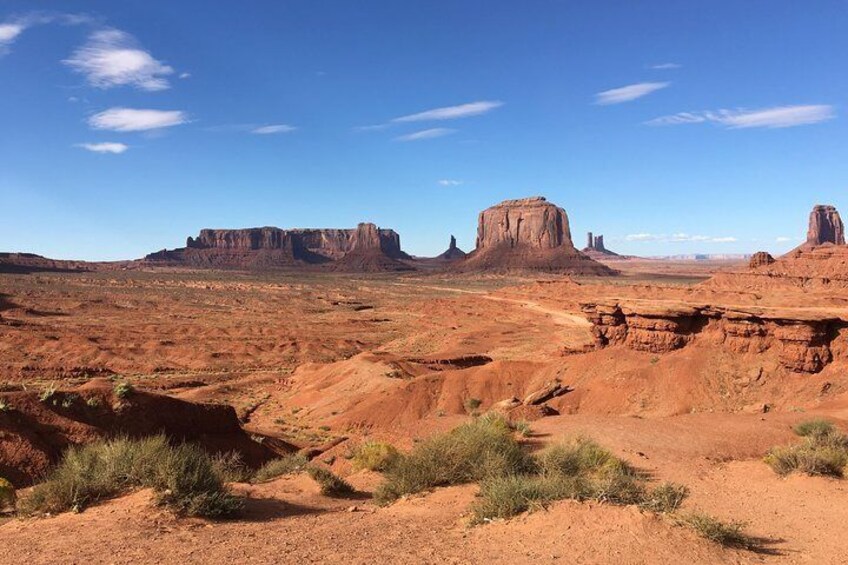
x: 691, y: 375
x: 423, y: 282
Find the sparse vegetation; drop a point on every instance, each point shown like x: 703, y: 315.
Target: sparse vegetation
x: 522, y: 427
x: 94, y: 402
x: 331, y: 484
x: 123, y: 390
x: 278, y: 467
x: 183, y: 477
x: 231, y: 467
x: 4, y: 405
x: 472, y: 404
x: 48, y: 393
x: 728, y: 534
x: 471, y: 452
x: 8, y: 496
x: 823, y: 451
x: 816, y: 427
x: 375, y: 456
x: 665, y: 498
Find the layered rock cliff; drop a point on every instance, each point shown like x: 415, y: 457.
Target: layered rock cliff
x: 530, y: 233
x: 803, y: 343
x: 825, y: 226
x: 270, y: 247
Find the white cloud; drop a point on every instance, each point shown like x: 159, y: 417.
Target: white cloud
x: 10, y: 31
x: 678, y: 237
x: 452, y: 112
x: 425, y: 134
x: 130, y: 119
x: 112, y: 57
x: 274, y: 128
x: 782, y: 239
x: 775, y: 117
x: 450, y: 182
x: 105, y: 147
x: 628, y: 93
x: 642, y: 237
x: 666, y: 66
x: 185, y: 75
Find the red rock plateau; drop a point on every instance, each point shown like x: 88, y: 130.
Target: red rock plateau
x: 690, y: 371
x: 365, y: 248
x: 527, y: 234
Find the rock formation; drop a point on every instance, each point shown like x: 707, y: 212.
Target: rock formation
x: 825, y: 226
x: 759, y: 259
x: 596, y: 249
x: 530, y: 233
x: 270, y: 247
x: 453, y: 252
x: 803, y: 344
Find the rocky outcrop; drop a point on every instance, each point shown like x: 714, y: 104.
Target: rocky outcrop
x: 596, y: 249
x: 453, y: 252
x: 760, y: 259
x: 825, y: 226
x: 369, y: 247
x: 804, y: 344
x: 530, y: 233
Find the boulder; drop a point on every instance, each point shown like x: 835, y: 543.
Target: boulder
x: 549, y: 390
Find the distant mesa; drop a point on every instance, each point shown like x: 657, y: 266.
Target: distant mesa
x: 364, y: 248
x: 453, y: 252
x: 528, y: 234
x: 819, y: 263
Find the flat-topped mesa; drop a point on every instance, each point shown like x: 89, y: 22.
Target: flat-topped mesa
x: 760, y: 259
x: 825, y: 226
x: 270, y: 247
x: 528, y: 233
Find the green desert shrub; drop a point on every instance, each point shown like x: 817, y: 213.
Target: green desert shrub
x: 331, y: 484
x: 728, y: 534
x: 231, y: 468
x: 509, y: 495
x: 822, y: 451
x: 665, y: 498
x: 817, y: 427
x: 293, y: 463
x: 183, y: 478
x: 375, y: 456
x: 123, y: 390
x: 8, y: 496
x: 471, y: 452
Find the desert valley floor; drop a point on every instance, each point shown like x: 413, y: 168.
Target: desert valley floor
x: 325, y: 361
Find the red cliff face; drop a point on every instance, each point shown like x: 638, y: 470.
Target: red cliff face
x: 270, y: 247
x: 825, y: 226
x: 530, y: 233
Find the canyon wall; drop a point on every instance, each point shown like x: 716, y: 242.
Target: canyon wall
x: 804, y: 344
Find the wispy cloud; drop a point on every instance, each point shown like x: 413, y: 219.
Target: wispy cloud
x: 782, y: 239
x: 666, y: 66
x: 112, y: 58
x: 450, y: 182
x: 775, y: 117
x: 678, y: 237
x: 425, y: 134
x: 628, y: 93
x: 105, y: 147
x: 9, y: 32
x: 130, y: 119
x: 273, y: 128
x: 452, y: 112
x: 11, y: 29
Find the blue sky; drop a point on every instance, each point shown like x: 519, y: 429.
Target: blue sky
x: 668, y: 126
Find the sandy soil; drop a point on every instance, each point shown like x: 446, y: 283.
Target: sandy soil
x: 313, y: 358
